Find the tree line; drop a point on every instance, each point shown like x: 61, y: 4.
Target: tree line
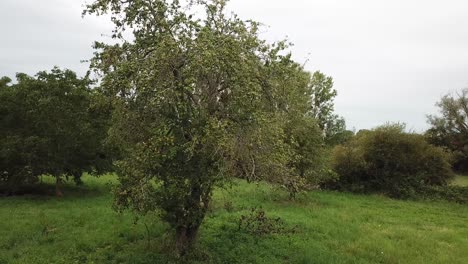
x: 193, y: 101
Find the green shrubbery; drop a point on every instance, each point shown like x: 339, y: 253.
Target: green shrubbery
x: 391, y: 161
x: 458, y: 194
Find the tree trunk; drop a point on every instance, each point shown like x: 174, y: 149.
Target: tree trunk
x: 58, y: 187
x: 186, y: 234
x: 185, y: 238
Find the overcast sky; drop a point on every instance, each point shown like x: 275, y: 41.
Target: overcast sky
x: 391, y: 60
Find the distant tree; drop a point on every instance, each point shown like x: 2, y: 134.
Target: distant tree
x: 50, y: 125
x: 310, y: 156
x: 4, y: 81
x: 450, y: 127
x: 323, y: 107
x: 197, y: 100
x: 293, y: 97
x: 336, y: 132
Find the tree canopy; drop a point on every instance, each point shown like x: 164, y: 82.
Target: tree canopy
x: 450, y: 127
x: 50, y: 125
x: 322, y: 109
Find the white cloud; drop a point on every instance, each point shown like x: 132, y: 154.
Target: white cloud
x: 391, y: 60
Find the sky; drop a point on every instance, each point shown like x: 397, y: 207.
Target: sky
x: 391, y: 61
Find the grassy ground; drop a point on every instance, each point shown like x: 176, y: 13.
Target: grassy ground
x: 461, y: 180
x: 331, y: 228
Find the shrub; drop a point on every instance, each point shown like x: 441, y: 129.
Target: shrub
x: 391, y: 161
x: 458, y: 194
x: 257, y: 223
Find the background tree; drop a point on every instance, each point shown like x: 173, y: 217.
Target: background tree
x: 293, y: 97
x: 4, y: 81
x: 51, y: 124
x: 197, y: 98
x: 323, y: 107
x: 450, y: 127
x: 336, y: 132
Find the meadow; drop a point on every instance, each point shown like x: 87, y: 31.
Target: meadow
x: 329, y: 227
x: 460, y: 180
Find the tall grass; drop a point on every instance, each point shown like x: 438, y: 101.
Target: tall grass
x: 461, y: 180
x: 331, y: 228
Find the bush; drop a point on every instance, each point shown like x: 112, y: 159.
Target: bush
x: 456, y: 194
x: 257, y: 223
x: 389, y: 161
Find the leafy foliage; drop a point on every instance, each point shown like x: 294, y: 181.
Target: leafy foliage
x: 51, y: 124
x: 458, y: 194
x: 450, y: 128
x: 310, y: 158
x: 389, y: 160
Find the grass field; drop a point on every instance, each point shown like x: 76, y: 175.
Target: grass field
x: 461, y: 180
x: 331, y: 228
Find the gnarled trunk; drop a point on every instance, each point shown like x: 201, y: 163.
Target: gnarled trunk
x: 186, y: 234
x: 186, y: 238
x: 58, y: 187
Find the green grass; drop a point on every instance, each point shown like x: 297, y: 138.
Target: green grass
x: 461, y: 180
x: 331, y: 228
